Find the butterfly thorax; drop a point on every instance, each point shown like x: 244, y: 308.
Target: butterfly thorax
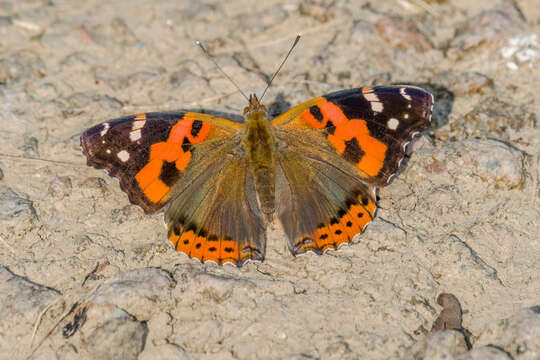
x: 260, y: 146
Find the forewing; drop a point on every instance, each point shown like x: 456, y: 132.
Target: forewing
x: 150, y: 152
x: 369, y: 127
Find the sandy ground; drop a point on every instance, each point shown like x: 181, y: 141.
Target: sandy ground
x: 87, y: 275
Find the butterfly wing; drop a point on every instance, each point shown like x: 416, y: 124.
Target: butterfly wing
x: 370, y: 127
x: 215, y: 215
x: 322, y: 201
x: 333, y: 151
x: 149, y: 152
x: 194, y: 163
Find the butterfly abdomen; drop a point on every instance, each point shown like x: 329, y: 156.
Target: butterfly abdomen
x: 260, y: 147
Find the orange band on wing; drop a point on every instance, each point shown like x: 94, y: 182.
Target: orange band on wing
x: 156, y: 191
x: 372, y: 161
x: 340, y: 229
x: 149, y: 173
x: 332, y: 112
x: 204, y: 248
x: 177, y: 149
x: 350, y: 137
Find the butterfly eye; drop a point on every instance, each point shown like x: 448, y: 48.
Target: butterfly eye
x: 246, y: 109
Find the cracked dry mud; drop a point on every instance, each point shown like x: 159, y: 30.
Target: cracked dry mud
x: 86, y: 275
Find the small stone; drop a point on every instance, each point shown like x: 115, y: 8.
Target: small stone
x: 30, y: 146
x: 111, y: 333
x: 402, y: 34
x: 384, y: 237
x: 493, y: 161
x: 218, y: 287
x: 522, y: 49
x: 120, y: 216
x: 518, y: 335
x: 485, y: 27
x: 20, y: 298
x: 338, y: 350
x: 485, y: 353
x: 440, y: 345
x: 465, y: 83
x: 15, y: 206
x: 94, y: 182
x: 495, y: 118
x: 60, y: 187
x: 450, y: 316
x: 136, y: 291
x: 22, y: 301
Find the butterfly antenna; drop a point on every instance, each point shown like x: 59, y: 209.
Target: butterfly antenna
x: 282, y: 63
x: 220, y: 69
x: 29, y: 158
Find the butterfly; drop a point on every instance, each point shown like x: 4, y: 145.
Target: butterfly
x: 314, y: 168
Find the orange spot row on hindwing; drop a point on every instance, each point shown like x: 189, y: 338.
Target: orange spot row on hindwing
x: 340, y: 229
x: 343, y: 130
x: 175, y: 150
x: 209, y: 248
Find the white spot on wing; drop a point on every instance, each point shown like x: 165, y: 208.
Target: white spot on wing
x: 406, y: 116
x: 135, y: 135
x: 106, y: 128
x: 392, y: 123
x: 123, y: 155
x: 108, y: 151
x: 376, y: 106
x: 403, y: 93
x: 138, y: 124
x: 371, y: 96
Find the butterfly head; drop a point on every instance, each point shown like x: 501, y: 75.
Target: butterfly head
x: 254, y: 106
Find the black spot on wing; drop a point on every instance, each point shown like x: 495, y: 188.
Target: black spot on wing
x: 196, y: 127
x: 316, y: 112
x: 169, y: 173
x: 353, y: 153
x: 186, y: 145
x: 330, y: 127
